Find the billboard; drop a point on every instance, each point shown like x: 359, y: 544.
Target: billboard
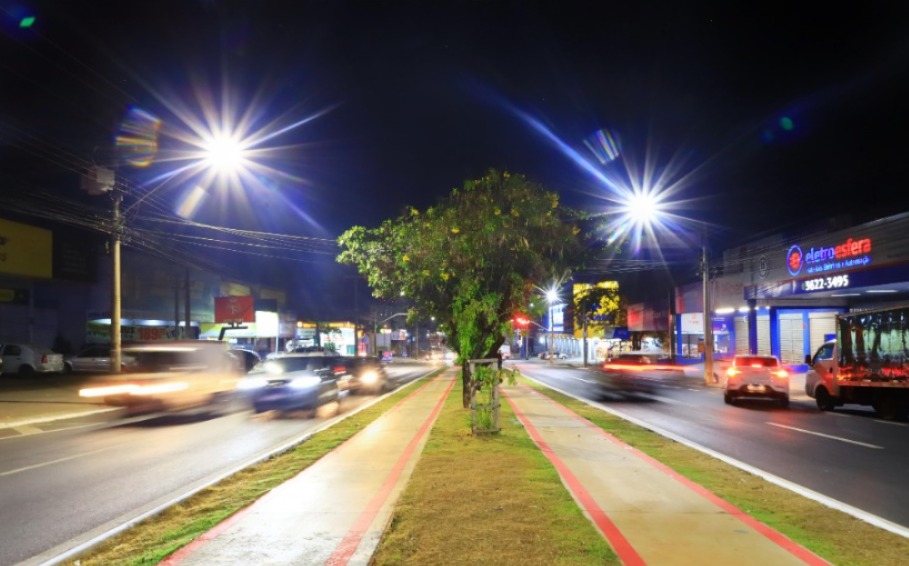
x: 235, y: 309
x: 25, y: 250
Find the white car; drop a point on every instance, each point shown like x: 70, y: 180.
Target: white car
x: 26, y: 359
x: 756, y: 377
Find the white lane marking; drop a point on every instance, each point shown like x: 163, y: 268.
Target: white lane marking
x: 585, y: 380
x: 690, y: 389
x: 661, y: 399
x: 889, y: 422
x: 856, y: 442
x: 51, y: 462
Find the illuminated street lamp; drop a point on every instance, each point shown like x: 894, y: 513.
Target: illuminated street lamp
x: 552, y: 296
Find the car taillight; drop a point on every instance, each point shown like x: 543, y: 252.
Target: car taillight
x: 732, y: 372
x: 782, y: 374
x: 43, y: 358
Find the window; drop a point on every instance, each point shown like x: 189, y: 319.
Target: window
x: 825, y: 352
x: 761, y: 361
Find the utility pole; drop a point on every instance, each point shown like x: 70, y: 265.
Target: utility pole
x: 115, y: 236
x: 708, y: 321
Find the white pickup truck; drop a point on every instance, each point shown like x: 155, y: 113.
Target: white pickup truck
x: 867, y: 364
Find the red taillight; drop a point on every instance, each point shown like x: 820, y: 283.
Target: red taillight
x: 43, y: 358
x: 732, y: 372
x: 780, y: 374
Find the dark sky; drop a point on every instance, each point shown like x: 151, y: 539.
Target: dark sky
x: 773, y: 114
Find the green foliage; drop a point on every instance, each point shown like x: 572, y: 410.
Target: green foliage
x: 486, y: 404
x: 473, y: 259
x: 599, y: 300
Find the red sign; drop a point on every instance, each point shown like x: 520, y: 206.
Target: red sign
x: 235, y: 309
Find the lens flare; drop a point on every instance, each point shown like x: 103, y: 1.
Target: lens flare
x: 137, y: 137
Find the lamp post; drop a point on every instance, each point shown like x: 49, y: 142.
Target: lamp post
x: 552, y: 296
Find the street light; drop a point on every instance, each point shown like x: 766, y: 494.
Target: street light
x: 552, y: 296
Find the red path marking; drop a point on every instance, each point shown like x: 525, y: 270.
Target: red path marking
x: 774, y: 536
x: 213, y: 533
x: 627, y: 554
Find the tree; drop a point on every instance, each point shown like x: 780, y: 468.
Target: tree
x: 596, y: 305
x: 473, y: 259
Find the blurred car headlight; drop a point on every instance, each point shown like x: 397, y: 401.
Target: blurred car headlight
x: 369, y: 377
x: 157, y: 388
x: 307, y: 382
x: 109, y: 390
x: 248, y: 383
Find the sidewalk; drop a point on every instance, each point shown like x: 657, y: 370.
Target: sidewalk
x: 649, y: 513
x: 335, y: 511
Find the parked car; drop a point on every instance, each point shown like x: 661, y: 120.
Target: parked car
x: 96, y: 359
x: 28, y: 359
x: 185, y: 375
x: 555, y: 355
x: 293, y: 382
x: 366, y: 375
x: 756, y: 377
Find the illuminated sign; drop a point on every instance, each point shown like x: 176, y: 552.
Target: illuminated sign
x: 824, y: 283
x: 851, y: 253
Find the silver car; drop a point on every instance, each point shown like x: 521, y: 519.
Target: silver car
x: 96, y: 359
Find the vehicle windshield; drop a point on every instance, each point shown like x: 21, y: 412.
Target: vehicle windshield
x: 756, y: 361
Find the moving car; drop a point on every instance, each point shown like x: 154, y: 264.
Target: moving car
x: 96, y: 359
x: 632, y: 360
x: 293, y: 382
x: 756, y: 377
x: 172, y: 376
x: 28, y: 359
x: 366, y: 375
x: 248, y: 358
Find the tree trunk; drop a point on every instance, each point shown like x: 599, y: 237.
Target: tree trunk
x: 466, y: 383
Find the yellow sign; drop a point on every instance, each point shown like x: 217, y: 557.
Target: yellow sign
x: 25, y: 250
x: 607, y: 307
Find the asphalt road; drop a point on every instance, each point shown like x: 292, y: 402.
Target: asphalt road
x: 66, y: 483
x: 848, y: 455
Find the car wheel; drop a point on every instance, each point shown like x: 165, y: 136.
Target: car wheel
x: 727, y: 398
x: 67, y: 368
x: 823, y: 399
x: 26, y: 371
x: 784, y: 401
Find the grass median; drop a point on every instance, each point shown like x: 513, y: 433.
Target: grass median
x: 487, y: 499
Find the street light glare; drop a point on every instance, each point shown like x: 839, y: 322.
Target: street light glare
x: 643, y: 208
x: 224, y: 153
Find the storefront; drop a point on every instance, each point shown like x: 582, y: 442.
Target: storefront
x: 797, y: 286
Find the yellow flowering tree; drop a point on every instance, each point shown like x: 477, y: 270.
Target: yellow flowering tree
x: 474, y: 259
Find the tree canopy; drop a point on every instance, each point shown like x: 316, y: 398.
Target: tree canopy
x: 474, y: 259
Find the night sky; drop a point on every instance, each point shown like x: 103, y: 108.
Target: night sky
x: 770, y: 115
